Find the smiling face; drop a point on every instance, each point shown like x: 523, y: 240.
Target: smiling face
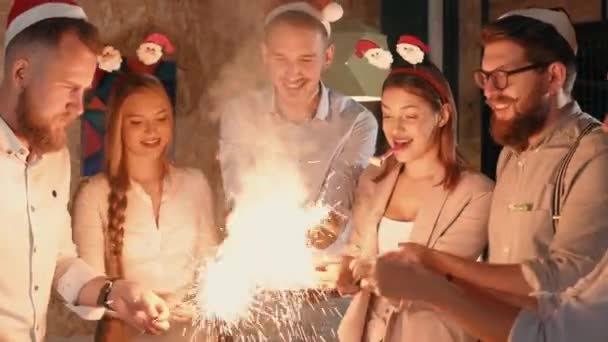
x: 147, y: 123
x: 520, y: 109
x: 295, y: 55
x: 409, y: 123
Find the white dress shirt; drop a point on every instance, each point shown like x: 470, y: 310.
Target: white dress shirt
x: 161, y: 257
x: 37, y: 253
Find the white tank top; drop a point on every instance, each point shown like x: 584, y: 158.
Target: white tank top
x: 391, y: 233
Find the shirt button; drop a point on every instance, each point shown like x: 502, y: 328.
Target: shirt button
x: 35, y: 287
x: 35, y: 249
x: 32, y: 209
x: 37, y: 327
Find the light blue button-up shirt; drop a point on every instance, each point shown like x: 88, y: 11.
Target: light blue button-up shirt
x: 327, y: 153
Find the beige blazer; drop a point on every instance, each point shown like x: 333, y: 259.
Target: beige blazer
x: 454, y: 222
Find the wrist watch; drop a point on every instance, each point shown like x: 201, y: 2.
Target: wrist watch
x: 104, y: 293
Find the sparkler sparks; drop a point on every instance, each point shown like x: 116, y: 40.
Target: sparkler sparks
x: 264, y: 273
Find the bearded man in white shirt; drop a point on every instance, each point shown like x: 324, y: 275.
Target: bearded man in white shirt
x: 50, y: 60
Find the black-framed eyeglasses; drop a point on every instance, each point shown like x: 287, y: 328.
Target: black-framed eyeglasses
x: 500, y: 78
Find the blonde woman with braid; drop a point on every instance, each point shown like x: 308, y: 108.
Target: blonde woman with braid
x: 144, y: 219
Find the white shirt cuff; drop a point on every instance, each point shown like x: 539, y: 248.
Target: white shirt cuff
x: 89, y: 313
x: 72, y: 281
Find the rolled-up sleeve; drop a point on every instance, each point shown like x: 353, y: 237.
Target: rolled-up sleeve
x: 577, y: 315
x: 582, y: 233
x: 72, y: 273
x: 579, y: 319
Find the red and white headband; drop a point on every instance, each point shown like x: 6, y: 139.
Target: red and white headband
x: 330, y: 13
x: 411, y: 49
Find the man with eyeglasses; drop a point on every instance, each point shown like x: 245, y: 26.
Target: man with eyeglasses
x: 548, y: 225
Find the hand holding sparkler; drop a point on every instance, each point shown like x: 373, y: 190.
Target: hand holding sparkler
x: 346, y: 283
x: 326, y: 233
x: 143, y: 309
x: 363, y: 270
x: 357, y: 274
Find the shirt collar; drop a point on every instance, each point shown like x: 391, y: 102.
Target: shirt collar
x: 9, y: 143
x: 323, y: 108
x: 168, y: 182
x: 322, y: 112
x: 561, y: 127
x: 560, y: 131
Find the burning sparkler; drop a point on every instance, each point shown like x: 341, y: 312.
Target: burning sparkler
x: 264, y: 271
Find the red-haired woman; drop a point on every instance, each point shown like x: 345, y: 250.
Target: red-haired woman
x: 423, y: 193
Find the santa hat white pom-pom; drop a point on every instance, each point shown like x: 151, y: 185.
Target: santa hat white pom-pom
x: 333, y: 12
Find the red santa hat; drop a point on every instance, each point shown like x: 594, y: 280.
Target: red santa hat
x: 26, y: 13
x: 364, y: 45
x: 162, y: 41
x: 558, y: 19
x: 326, y: 11
x: 413, y: 40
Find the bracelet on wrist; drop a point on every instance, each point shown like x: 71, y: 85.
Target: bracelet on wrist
x: 104, y: 294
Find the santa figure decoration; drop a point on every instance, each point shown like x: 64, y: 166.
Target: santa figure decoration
x: 411, y: 49
x: 110, y: 59
x: 375, y: 55
x: 153, y: 47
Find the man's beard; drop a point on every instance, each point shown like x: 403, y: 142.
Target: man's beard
x: 36, y: 130
x: 517, y: 131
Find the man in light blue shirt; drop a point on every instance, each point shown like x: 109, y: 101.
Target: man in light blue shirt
x: 299, y: 130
